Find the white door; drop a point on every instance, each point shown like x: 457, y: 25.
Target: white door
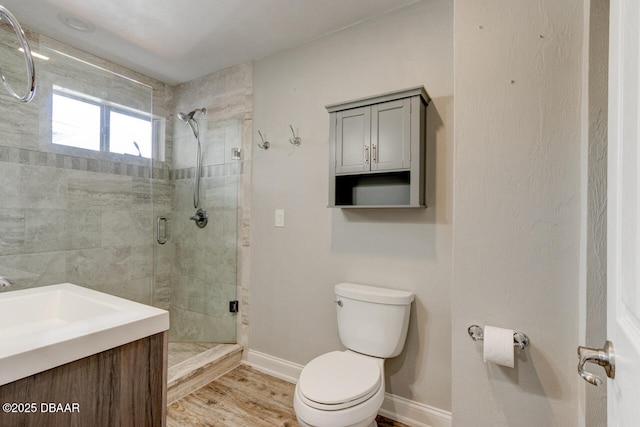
x: 623, y: 228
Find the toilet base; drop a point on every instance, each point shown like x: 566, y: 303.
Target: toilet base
x: 362, y: 415
x: 372, y: 424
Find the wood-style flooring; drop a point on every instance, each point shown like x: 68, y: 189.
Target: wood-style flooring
x: 243, y: 397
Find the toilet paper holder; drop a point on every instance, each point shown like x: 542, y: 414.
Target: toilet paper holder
x: 520, y: 339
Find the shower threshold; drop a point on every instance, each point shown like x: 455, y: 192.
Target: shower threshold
x: 194, y: 365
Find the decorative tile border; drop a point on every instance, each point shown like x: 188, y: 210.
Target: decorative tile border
x: 69, y: 162
x: 208, y: 171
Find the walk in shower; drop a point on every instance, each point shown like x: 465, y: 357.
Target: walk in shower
x: 87, y: 168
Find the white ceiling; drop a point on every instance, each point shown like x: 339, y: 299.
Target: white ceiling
x: 177, y: 41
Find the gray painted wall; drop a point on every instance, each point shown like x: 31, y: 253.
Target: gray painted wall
x: 596, y: 240
x: 294, y: 269
x: 517, y: 207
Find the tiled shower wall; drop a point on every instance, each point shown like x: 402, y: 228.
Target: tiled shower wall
x: 208, y: 258
x: 69, y: 215
x: 89, y: 218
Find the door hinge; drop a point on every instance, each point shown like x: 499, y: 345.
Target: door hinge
x: 233, y: 306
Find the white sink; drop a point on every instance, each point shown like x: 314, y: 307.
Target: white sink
x: 45, y: 327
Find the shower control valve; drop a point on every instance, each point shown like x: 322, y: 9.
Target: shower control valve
x: 200, y: 218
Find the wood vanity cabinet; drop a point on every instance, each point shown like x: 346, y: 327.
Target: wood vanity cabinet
x: 123, y: 386
x: 378, y: 151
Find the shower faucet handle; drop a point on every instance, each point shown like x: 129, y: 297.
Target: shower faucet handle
x: 200, y: 218
x: 200, y: 213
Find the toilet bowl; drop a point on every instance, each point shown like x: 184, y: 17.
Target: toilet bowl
x: 346, y: 388
x: 340, y: 389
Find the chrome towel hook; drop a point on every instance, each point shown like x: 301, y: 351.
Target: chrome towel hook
x: 265, y: 144
x: 28, y: 58
x: 296, y: 140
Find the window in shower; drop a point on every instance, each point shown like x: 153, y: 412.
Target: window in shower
x: 75, y: 123
x: 89, y: 123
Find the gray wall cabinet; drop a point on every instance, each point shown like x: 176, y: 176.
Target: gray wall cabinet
x: 378, y: 151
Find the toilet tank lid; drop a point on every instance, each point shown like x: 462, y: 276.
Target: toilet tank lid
x: 374, y: 294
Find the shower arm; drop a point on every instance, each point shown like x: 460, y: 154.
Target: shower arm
x: 28, y: 58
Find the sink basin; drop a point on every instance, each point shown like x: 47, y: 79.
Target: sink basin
x: 45, y: 327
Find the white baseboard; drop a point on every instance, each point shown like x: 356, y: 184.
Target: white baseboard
x: 273, y: 366
x: 394, y: 407
x: 413, y: 413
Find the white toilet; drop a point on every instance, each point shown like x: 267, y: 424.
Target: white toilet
x: 346, y: 388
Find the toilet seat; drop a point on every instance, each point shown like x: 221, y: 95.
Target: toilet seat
x: 339, y: 380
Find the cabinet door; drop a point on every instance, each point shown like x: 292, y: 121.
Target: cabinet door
x: 391, y: 135
x: 353, y: 136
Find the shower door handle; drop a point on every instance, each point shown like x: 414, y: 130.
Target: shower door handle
x: 162, y: 240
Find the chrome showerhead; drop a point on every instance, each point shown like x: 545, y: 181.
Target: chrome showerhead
x: 189, y: 116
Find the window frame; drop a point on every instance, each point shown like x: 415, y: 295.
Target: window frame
x: 156, y: 124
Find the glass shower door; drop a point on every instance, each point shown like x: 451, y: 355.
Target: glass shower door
x: 75, y: 203
x: 82, y: 189
x: 203, y: 285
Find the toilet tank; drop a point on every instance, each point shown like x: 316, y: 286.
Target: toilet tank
x: 372, y: 320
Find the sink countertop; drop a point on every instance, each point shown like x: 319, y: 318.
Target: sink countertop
x: 48, y: 326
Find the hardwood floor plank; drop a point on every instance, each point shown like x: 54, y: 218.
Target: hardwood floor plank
x: 243, y: 397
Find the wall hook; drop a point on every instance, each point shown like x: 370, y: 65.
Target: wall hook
x: 296, y: 140
x: 265, y: 144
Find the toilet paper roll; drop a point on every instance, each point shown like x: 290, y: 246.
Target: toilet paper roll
x: 498, y: 346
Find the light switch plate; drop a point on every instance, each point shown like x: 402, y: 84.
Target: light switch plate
x: 279, y: 217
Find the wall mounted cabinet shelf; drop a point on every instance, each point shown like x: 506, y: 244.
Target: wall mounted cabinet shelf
x: 377, y: 151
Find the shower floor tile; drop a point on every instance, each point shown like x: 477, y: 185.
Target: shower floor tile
x: 181, y: 351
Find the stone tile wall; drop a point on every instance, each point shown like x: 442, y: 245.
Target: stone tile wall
x: 207, y: 259
x: 69, y: 215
